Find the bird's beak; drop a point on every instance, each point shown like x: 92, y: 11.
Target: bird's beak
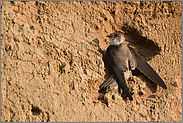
x: 108, y: 36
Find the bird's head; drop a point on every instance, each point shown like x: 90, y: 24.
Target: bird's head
x: 116, y: 38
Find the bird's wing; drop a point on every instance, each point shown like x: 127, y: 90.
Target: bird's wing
x: 108, y: 84
x: 118, y: 66
x: 111, y: 83
x: 146, y: 69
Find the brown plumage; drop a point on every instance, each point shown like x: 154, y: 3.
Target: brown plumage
x: 123, y: 59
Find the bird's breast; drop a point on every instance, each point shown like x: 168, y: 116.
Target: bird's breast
x: 119, y: 56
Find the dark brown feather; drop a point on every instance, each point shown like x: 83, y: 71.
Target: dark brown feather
x: 146, y: 69
x: 107, y: 84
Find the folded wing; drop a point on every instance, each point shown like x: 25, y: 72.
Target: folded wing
x: 118, y: 67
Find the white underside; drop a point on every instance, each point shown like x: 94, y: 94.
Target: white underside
x: 115, y: 41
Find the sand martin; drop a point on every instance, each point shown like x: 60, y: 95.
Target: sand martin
x: 122, y: 60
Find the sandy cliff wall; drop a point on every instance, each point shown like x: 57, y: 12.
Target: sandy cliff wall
x: 51, y: 69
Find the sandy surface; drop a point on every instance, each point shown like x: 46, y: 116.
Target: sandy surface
x: 51, y: 69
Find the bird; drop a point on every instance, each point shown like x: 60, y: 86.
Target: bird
x: 122, y: 60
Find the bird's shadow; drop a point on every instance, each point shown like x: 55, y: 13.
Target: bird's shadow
x: 144, y: 46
